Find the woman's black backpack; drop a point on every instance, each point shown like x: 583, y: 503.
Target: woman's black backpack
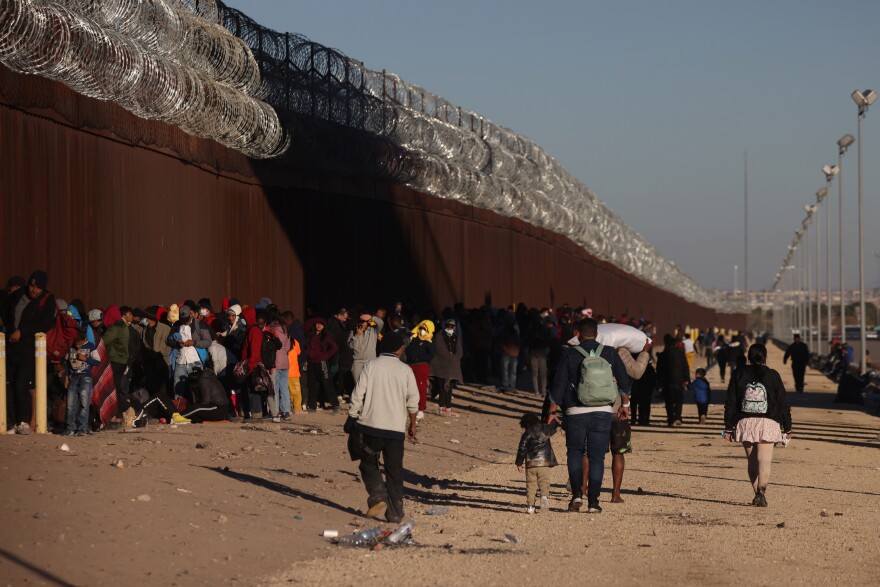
x: 271, y: 345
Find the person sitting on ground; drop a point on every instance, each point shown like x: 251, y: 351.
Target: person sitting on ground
x: 702, y: 394
x: 536, y: 453
x: 756, y: 414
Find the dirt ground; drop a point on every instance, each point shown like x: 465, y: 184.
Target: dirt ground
x: 246, y: 504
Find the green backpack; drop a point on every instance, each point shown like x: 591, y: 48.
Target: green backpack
x: 596, y: 386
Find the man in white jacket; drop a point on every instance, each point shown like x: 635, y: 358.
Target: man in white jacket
x: 385, y: 402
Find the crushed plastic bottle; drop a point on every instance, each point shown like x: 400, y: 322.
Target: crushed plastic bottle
x: 437, y: 511
x: 401, y: 533
x: 361, y: 539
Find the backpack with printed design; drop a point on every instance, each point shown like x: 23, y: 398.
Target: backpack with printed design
x: 755, y: 399
x: 597, y: 386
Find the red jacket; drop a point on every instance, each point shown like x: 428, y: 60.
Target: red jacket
x: 319, y: 346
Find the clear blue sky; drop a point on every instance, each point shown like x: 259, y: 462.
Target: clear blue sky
x: 651, y: 104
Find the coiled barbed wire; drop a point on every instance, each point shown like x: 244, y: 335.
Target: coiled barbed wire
x: 451, y: 152
x: 157, y: 59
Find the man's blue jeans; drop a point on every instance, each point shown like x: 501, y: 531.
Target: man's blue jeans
x: 508, y: 370
x: 79, y: 392
x: 181, y: 377
x: 587, y: 435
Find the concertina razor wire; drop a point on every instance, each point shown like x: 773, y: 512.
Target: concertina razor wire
x: 160, y: 59
x: 268, y: 94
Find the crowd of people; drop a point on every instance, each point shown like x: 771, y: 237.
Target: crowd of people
x: 190, y: 361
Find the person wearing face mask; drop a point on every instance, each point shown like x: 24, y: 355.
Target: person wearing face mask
x: 187, y: 335
x: 419, y: 354
x: 446, y: 365
x: 156, y: 352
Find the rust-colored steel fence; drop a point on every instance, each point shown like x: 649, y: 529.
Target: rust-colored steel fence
x: 123, y: 210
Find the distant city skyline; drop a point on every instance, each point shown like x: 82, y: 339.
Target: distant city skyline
x: 652, y: 105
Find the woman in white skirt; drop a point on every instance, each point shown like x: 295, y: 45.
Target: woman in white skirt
x: 757, y: 414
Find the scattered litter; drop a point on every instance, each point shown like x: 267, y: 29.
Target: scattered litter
x: 221, y: 519
x: 507, y: 452
x: 120, y: 464
x: 193, y: 525
x: 685, y: 515
x: 454, y: 441
x: 364, y: 538
x: 644, y: 546
x: 182, y: 490
x: 39, y: 515
x: 36, y: 478
x: 654, y: 533
x: 203, y: 444
x: 512, y: 538
x: 824, y: 513
x: 297, y: 517
x: 64, y: 447
x: 313, y: 431
x: 438, y: 511
x: 309, y: 454
x: 143, y: 497
x: 247, y: 448
x: 402, y: 533
x: 838, y: 513
x: 331, y: 533
x: 780, y: 525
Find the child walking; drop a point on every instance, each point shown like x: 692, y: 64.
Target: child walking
x: 702, y: 394
x: 536, y: 452
x: 81, y: 357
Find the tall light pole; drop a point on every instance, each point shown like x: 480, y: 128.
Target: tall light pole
x: 735, y: 279
x: 810, y: 210
x: 830, y: 171
x: 863, y: 99
x: 820, y: 196
x: 843, y: 144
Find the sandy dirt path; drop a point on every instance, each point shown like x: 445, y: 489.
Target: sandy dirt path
x: 249, y: 506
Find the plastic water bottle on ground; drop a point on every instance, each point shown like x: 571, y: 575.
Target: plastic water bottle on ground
x: 402, y: 532
x: 437, y: 511
x: 360, y: 539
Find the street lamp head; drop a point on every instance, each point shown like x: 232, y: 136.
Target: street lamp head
x: 820, y: 195
x: 845, y: 141
x: 830, y: 171
x: 808, y: 221
x: 810, y: 209
x: 864, y: 98
x: 799, y: 232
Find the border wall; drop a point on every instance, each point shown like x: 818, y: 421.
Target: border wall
x: 119, y: 209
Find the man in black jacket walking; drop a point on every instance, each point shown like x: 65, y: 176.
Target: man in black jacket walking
x: 799, y: 353
x: 673, y: 374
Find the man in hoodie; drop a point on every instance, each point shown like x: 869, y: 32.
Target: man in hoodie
x: 28, y: 311
x: 363, y: 342
x: 384, y: 403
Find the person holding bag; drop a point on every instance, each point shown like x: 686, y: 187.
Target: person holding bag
x: 757, y: 414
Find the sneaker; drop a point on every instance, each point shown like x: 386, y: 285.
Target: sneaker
x: 420, y: 415
x: 12, y: 430
x: 545, y: 503
x: 760, y: 499
x: 449, y: 412
x: 530, y: 510
x: 677, y: 423
x: 277, y: 419
x: 286, y: 416
x: 176, y: 418
x: 594, y: 508
x: 67, y: 433
x: 23, y: 428
x: 575, y: 504
x: 82, y: 433
x: 376, y: 510
x: 442, y: 412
